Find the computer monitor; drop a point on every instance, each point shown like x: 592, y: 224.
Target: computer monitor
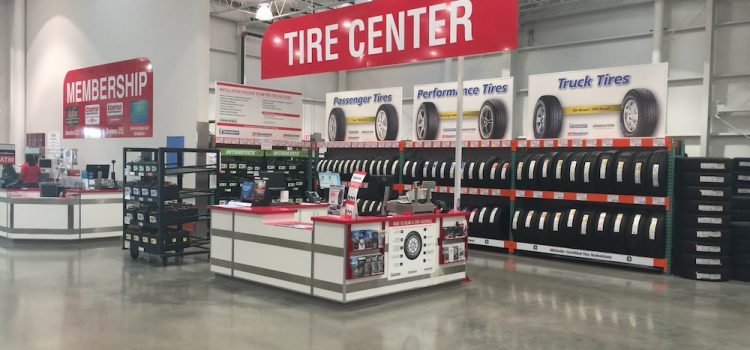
x: 274, y: 180
x: 94, y: 169
x: 329, y: 179
x: 248, y: 191
x: 45, y: 163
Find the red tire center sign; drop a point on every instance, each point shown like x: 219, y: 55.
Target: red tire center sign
x: 387, y: 32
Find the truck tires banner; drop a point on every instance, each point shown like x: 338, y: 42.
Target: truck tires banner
x: 367, y: 115
x: 387, y: 32
x: 246, y: 114
x: 114, y: 100
x: 604, y: 103
x: 488, y: 110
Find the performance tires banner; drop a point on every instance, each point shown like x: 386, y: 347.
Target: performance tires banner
x: 246, y: 114
x: 488, y: 110
x: 618, y: 102
x: 114, y: 100
x: 366, y: 115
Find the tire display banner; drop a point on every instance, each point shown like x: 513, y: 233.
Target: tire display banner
x: 365, y: 115
x: 488, y: 110
x: 413, y: 249
x: 114, y: 100
x: 619, y: 102
x: 387, y: 32
x: 247, y: 114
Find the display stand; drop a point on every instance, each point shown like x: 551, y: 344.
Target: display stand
x: 162, y: 218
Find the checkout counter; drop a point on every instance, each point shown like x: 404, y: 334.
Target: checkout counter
x: 76, y: 215
x: 300, y: 248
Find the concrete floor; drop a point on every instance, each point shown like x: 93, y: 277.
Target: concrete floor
x: 93, y: 296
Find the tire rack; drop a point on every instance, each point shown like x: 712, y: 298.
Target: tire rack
x: 162, y: 246
x: 674, y: 147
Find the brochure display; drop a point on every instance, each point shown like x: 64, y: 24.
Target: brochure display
x: 603, y: 103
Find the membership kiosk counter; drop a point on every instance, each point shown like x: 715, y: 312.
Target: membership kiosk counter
x: 336, y: 258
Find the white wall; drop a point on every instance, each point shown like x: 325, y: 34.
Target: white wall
x: 5, y: 19
x: 575, y: 42
x: 68, y: 34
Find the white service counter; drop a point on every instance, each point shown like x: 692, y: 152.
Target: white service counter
x: 338, y: 259
x: 79, y: 215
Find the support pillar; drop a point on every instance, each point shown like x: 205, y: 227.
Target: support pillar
x: 18, y: 79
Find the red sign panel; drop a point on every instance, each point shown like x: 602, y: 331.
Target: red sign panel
x: 114, y: 100
x: 7, y: 156
x: 387, y: 32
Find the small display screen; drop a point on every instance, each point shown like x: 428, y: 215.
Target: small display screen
x: 329, y: 179
x: 247, y: 193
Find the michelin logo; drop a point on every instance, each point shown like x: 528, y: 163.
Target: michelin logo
x: 229, y: 132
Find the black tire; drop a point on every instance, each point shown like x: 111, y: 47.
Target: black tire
x: 741, y: 191
x: 574, y: 172
x: 703, y: 235
x: 741, y: 275
x: 585, y: 234
x: 484, y: 171
x: 621, y: 224
x: 521, y: 181
x: 704, y: 261
x: 656, y: 174
x: 427, y: 121
x: 416, y: 170
x: 606, y: 170
x: 493, y: 120
x: 703, y: 165
x: 545, y: 171
x: 558, y: 170
x: 624, y: 172
x: 655, y: 237
x: 337, y: 125
x: 533, y: 168
x: 697, y: 247
x: 589, y: 172
x: 703, y: 274
x: 413, y: 245
x: 639, y: 113
x: 704, y: 194
x: 741, y: 246
x: 426, y: 170
x: 639, y: 176
x: 741, y: 164
x: 603, y: 222
x: 635, y: 237
x: 705, y: 180
x: 572, y: 226
x: 705, y: 207
x: 741, y: 230
x: 741, y: 179
x: 529, y: 225
x: 547, y: 118
x: 517, y: 224
x: 388, y: 116
x: 741, y: 203
x: 544, y: 227
x: 556, y: 234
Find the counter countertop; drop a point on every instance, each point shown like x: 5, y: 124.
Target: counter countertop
x: 277, y: 209
x: 372, y: 219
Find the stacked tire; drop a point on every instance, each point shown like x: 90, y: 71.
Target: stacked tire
x: 480, y: 172
x: 489, y: 222
x: 703, y: 219
x: 741, y: 220
x: 616, y: 172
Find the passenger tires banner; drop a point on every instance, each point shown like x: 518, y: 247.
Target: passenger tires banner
x: 368, y: 115
x: 606, y: 103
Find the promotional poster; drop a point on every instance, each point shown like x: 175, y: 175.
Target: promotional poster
x: 366, y: 115
x: 618, y: 102
x: 488, y: 110
x: 246, y: 114
x: 114, y: 100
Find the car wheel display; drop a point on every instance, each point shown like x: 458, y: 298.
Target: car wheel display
x: 337, y: 125
x: 386, y: 123
x: 548, y: 116
x: 492, y: 120
x: 427, y: 121
x: 639, y: 113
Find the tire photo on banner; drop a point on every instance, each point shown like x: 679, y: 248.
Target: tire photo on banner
x: 364, y: 116
x: 613, y: 102
x: 488, y: 110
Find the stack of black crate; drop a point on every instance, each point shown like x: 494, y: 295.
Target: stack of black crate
x: 703, y: 196
x: 741, y: 219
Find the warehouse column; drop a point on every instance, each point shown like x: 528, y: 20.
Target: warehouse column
x: 707, y: 110
x: 18, y: 79
x: 658, y: 31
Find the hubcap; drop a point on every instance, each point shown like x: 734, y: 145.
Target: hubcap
x: 539, y: 119
x: 486, y: 122
x: 332, y: 128
x: 421, y: 124
x: 381, y: 125
x: 630, y: 116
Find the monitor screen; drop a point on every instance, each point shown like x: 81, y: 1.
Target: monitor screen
x: 247, y: 191
x: 273, y: 179
x: 93, y: 170
x: 329, y: 179
x: 45, y: 163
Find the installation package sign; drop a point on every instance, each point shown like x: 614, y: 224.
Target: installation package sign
x: 614, y: 102
x: 488, y: 110
x: 246, y: 114
x: 114, y: 100
x: 365, y: 115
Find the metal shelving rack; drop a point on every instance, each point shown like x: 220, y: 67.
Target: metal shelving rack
x: 167, y: 237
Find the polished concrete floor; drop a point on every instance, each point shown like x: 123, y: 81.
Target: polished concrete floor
x: 93, y: 296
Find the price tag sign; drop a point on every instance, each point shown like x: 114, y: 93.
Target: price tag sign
x: 582, y: 197
x: 563, y: 143
x: 659, y: 200
x: 520, y: 194
x: 577, y: 143
x: 636, y: 142
x: 549, y: 143
x: 660, y: 142
x: 613, y: 198
x: 558, y: 195
x: 537, y: 194
x: 607, y: 143
x: 535, y: 144
x: 639, y: 200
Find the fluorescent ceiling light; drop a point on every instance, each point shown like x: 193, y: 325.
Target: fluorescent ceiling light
x: 264, y: 12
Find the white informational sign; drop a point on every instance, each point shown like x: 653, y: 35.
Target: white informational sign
x: 488, y: 110
x: 412, y: 248
x: 603, y: 103
x: 246, y: 114
x: 365, y: 115
x: 53, y: 145
x: 350, y: 208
